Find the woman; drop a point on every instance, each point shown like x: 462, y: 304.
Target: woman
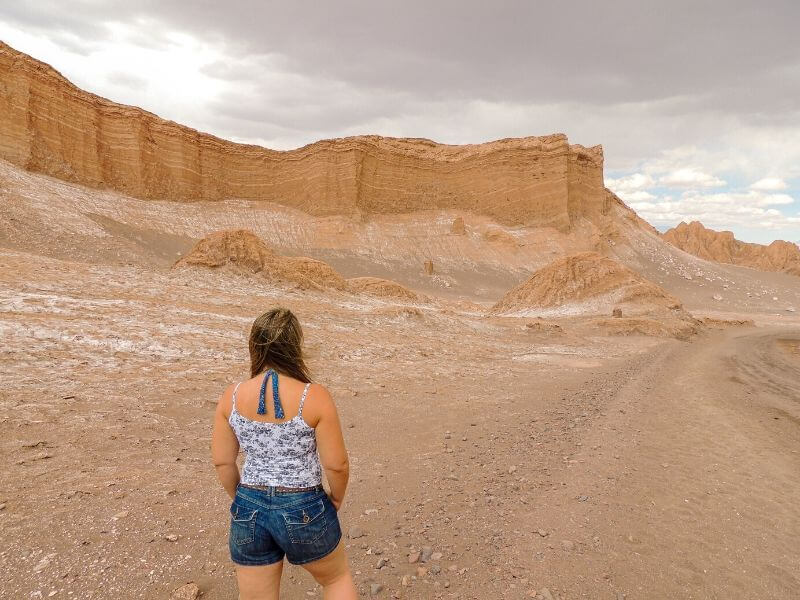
x: 289, y: 432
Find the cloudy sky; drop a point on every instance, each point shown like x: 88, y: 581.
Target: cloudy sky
x: 696, y: 103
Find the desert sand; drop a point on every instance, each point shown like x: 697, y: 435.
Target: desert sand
x: 509, y: 435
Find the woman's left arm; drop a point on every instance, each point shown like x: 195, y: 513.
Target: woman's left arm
x: 225, y: 447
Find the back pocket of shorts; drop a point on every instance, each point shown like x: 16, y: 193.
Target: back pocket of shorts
x: 243, y: 525
x: 306, y: 525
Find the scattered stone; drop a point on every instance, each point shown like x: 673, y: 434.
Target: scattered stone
x: 190, y: 591
x: 171, y: 537
x: 512, y: 469
x: 436, y: 556
x: 568, y: 545
x: 121, y: 515
x: 355, y: 532
x: 422, y: 571
x: 382, y: 562
x: 617, y: 313
x: 371, y: 511
x: 429, y: 267
x: 375, y: 589
x: 542, y: 533
x: 405, y: 581
x: 436, y: 569
x: 2, y: 506
x: 427, y: 551
x: 413, y: 557
x: 44, y: 563
x: 717, y: 297
x: 446, y: 584
x: 545, y: 593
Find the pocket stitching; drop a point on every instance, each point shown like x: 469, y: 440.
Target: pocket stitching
x: 249, y: 523
x: 293, y: 528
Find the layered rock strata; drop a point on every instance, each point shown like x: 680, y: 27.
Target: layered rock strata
x: 50, y: 126
x: 588, y: 279
x: 721, y: 246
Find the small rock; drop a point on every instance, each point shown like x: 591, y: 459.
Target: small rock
x: 413, y: 557
x: 427, y: 551
x: 382, y: 562
x: 190, y: 591
x: 355, y: 532
x: 44, y: 563
x: 405, y: 581
x: 171, y: 537
x: 436, y: 556
x: 121, y: 515
x: 436, y: 569
x: 375, y: 589
x: 512, y: 469
x: 542, y: 533
x: 2, y: 506
x: 717, y: 297
x: 568, y: 545
x: 546, y: 594
x: 446, y: 584
x: 422, y: 571
x: 616, y: 313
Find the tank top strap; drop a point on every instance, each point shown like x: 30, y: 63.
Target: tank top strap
x: 233, y: 399
x: 303, y: 400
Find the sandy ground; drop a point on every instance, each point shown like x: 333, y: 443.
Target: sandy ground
x: 563, y: 463
x: 591, y: 466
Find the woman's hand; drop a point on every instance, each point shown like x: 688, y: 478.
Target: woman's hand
x: 337, y: 504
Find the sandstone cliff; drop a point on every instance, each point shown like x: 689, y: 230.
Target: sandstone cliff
x: 721, y: 246
x: 50, y: 126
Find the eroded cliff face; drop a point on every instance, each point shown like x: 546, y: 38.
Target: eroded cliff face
x: 48, y: 125
x: 721, y: 246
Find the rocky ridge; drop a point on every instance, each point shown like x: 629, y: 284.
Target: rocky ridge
x: 721, y: 246
x: 49, y: 125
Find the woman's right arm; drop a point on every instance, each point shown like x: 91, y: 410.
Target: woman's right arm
x: 330, y: 445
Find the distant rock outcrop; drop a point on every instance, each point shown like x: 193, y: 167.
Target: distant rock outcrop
x: 587, y: 280
x: 243, y: 252
x: 382, y: 288
x: 722, y: 247
x: 50, y: 126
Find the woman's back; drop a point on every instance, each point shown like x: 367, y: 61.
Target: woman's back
x: 278, y: 439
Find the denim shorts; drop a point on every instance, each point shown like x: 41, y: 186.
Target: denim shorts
x: 268, y: 525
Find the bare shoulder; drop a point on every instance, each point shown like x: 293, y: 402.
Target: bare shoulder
x: 319, y: 404
x: 225, y: 403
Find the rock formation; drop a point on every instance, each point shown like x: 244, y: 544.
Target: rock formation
x: 50, y: 126
x: 244, y: 253
x: 721, y: 246
x: 583, y: 278
x: 382, y: 288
